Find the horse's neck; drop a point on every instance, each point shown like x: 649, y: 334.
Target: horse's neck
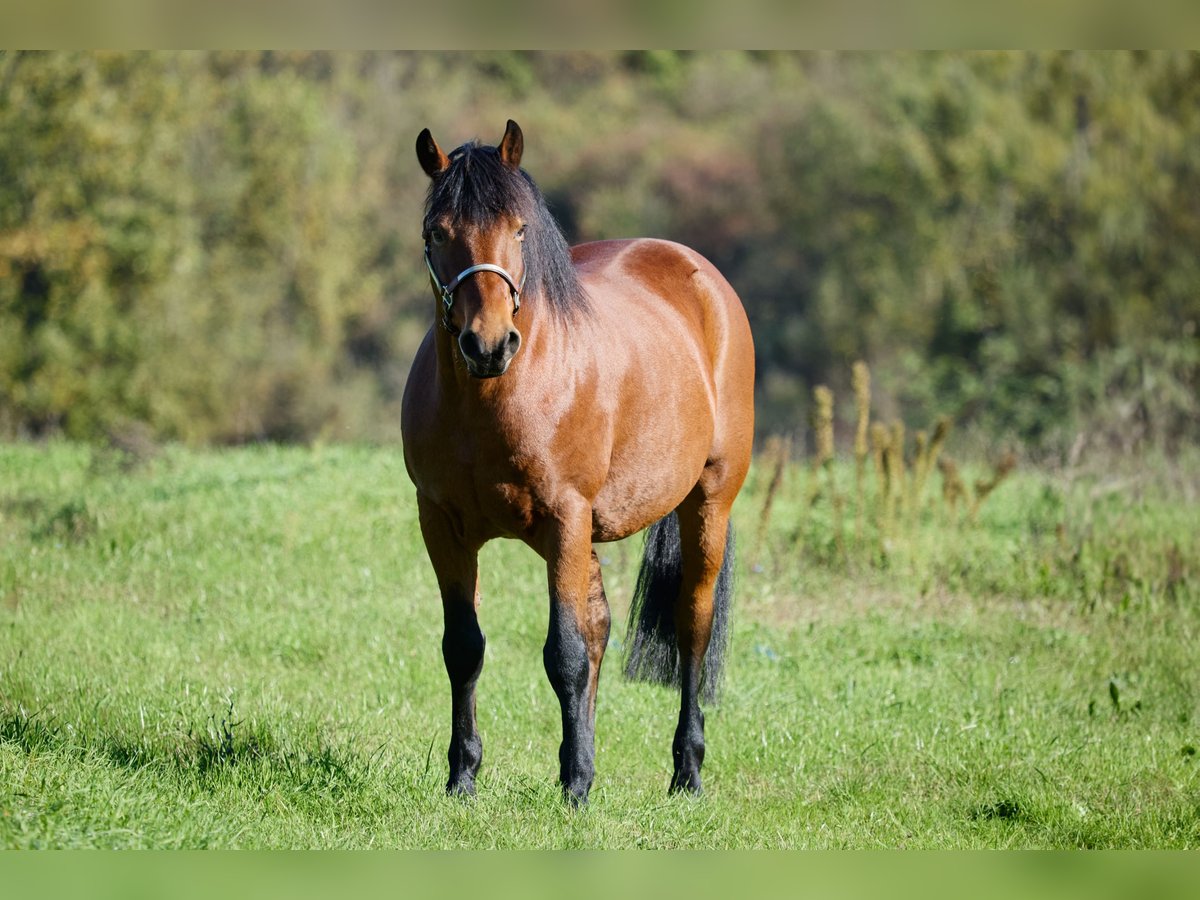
x: 448, y: 364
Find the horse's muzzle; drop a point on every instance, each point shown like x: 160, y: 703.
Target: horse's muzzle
x: 488, y: 362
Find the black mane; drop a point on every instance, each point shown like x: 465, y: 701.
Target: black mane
x: 478, y: 187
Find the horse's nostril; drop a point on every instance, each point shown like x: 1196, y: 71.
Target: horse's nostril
x: 472, y: 347
x: 514, y: 342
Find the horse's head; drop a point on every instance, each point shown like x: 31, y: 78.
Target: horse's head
x: 475, y: 223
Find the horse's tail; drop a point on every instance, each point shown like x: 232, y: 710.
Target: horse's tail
x: 653, y: 653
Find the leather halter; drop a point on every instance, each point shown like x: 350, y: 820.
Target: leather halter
x: 446, y: 291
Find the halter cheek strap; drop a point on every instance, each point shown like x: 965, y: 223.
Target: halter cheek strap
x: 446, y: 291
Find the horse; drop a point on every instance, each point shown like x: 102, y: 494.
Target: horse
x: 568, y: 396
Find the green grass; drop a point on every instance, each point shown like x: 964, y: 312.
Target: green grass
x: 242, y: 649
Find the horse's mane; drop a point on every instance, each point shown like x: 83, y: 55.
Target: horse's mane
x: 477, y: 187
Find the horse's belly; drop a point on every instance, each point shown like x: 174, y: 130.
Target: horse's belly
x: 635, y: 496
x: 662, y: 439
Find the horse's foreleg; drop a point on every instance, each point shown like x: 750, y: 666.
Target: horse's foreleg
x: 702, y: 528
x: 575, y: 642
x: 456, y: 567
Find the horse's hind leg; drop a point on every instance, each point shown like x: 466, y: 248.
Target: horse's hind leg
x: 596, y: 633
x: 703, y: 523
x: 574, y: 650
x: 463, y: 642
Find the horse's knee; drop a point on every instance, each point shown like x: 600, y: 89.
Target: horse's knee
x: 569, y: 667
x: 463, y: 644
x: 565, y: 656
x: 462, y: 650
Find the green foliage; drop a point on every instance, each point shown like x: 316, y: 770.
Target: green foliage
x: 224, y: 246
x: 242, y: 649
x: 180, y: 248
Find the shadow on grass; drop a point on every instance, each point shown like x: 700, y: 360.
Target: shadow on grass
x: 205, y: 753
x: 1007, y: 810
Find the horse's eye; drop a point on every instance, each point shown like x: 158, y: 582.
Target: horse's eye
x: 521, y: 233
x: 437, y: 235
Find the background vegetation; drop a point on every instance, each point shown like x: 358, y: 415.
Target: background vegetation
x: 224, y: 247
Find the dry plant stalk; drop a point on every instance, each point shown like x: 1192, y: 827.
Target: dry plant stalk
x: 879, y: 443
x: 823, y: 426
x: 920, y: 467
x: 778, y: 450
x: 941, y: 431
x: 898, y: 475
x: 983, y: 487
x: 860, y: 380
x: 953, y: 488
x: 839, y: 531
x: 822, y: 423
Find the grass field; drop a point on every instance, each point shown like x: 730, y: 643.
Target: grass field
x: 241, y: 649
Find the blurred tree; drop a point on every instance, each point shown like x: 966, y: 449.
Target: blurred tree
x: 225, y: 246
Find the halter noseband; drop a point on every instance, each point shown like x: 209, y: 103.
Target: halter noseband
x: 446, y: 291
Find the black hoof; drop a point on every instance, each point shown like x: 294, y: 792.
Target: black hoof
x: 463, y: 787
x: 576, y: 798
x: 686, y: 783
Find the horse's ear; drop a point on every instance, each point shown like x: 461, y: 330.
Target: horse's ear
x: 512, y: 145
x: 433, y: 160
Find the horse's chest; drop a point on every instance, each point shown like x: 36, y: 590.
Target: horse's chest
x: 497, y: 502
x: 512, y: 508
x: 492, y: 499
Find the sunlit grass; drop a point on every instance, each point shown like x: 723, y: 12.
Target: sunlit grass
x: 241, y: 648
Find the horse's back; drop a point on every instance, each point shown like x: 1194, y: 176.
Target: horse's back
x: 677, y: 274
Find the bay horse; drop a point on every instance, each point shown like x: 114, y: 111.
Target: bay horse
x: 564, y: 397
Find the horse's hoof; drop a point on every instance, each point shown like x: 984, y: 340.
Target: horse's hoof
x: 576, y: 798
x: 462, y: 788
x: 686, y: 783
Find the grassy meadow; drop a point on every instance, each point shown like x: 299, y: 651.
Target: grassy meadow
x: 241, y: 648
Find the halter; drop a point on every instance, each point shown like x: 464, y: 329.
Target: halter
x: 447, y: 290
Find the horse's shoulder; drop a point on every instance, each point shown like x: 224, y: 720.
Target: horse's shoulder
x: 421, y: 373
x: 423, y: 417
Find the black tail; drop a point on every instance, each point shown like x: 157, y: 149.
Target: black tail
x: 653, y: 653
